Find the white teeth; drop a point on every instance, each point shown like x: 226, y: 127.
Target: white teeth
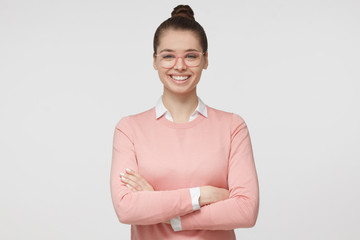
x: 180, y: 78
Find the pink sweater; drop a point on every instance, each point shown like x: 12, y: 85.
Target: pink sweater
x: 174, y: 157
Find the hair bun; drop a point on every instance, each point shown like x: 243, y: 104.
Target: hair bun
x: 183, y: 11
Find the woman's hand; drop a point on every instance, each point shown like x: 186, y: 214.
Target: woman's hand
x: 135, y: 181
x: 210, y: 194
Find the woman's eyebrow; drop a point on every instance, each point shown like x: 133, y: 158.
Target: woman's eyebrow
x: 167, y: 50
x: 192, y: 50
x: 188, y: 50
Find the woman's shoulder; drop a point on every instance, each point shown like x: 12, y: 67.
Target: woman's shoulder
x: 140, y: 117
x: 230, y: 120
x: 223, y: 115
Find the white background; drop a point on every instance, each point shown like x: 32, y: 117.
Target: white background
x: 69, y: 70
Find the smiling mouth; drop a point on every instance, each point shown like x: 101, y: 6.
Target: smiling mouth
x: 179, y: 78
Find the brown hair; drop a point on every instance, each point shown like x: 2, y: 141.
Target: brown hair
x: 182, y: 17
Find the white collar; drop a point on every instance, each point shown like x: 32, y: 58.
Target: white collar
x: 161, y: 109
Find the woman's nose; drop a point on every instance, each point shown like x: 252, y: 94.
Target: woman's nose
x: 180, y: 64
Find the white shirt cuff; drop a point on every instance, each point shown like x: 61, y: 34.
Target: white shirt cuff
x: 195, y: 197
x: 176, y: 224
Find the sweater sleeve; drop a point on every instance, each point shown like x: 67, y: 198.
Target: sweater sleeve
x: 240, y: 210
x: 195, y: 196
x: 141, y: 207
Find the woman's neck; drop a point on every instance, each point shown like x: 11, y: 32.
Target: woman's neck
x: 180, y: 106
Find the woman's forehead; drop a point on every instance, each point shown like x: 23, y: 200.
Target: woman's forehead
x: 179, y: 40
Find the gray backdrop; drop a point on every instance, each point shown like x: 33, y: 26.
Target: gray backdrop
x: 71, y: 69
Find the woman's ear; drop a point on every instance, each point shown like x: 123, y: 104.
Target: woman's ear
x: 206, y: 60
x: 154, y: 62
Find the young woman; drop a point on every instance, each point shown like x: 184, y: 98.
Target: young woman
x: 182, y: 169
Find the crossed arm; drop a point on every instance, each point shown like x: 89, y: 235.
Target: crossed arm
x: 208, y: 194
x: 138, y: 204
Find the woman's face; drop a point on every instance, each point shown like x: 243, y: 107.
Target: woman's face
x: 180, y: 78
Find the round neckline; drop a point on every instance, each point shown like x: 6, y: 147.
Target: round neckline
x: 171, y: 124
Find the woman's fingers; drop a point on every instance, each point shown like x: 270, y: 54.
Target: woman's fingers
x: 132, y: 172
x: 136, y: 181
x: 135, y: 177
x: 131, y: 188
x: 131, y: 182
x: 129, y: 178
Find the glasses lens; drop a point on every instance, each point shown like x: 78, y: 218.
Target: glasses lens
x: 168, y: 60
x: 192, y: 59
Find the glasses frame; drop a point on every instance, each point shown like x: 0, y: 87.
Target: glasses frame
x: 182, y: 57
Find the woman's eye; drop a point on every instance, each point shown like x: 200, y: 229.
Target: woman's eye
x: 192, y: 56
x: 168, y: 56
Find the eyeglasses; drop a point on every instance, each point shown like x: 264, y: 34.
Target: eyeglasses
x: 190, y: 59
